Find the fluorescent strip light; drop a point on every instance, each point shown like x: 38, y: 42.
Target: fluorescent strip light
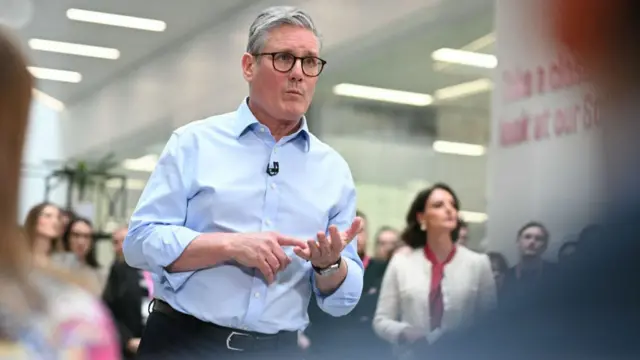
x: 473, y: 217
x: 455, y: 148
x: 463, y: 57
x: 74, y: 49
x: 145, y: 163
x: 55, y: 75
x: 380, y: 94
x: 116, y: 20
x: 48, y: 100
x: 464, y: 89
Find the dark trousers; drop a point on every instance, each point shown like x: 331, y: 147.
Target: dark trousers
x: 168, y: 337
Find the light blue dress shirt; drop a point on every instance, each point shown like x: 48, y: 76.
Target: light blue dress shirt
x: 211, y: 177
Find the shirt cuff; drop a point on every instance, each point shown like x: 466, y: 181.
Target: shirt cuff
x: 346, y: 296
x: 173, y: 241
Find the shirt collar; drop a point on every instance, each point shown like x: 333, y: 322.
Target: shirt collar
x: 247, y: 121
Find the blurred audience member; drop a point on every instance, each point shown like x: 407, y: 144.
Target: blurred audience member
x: 117, y: 240
x: 463, y: 233
x: 42, y: 228
x: 386, y: 240
x: 532, y: 240
x: 42, y: 316
x: 78, y: 240
x: 65, y: 218
x: 128, y: 294
x: 500, y: 268
x: 567, y: 250
x: 590, y: 236
x: 363, y: 239
x: 412, y: 306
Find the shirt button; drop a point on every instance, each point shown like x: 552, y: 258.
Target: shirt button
x: 261, y: 129
x: 273, y: 186
x: 257, y: 295
x: 267, y: 222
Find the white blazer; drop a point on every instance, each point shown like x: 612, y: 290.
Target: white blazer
x: 467, y: 287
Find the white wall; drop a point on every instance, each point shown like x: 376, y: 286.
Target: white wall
x: 44, y: 143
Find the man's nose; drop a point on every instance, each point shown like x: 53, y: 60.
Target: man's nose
x: 296, y: 72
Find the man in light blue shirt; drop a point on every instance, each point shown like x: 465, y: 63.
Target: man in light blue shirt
x: 247, y: 213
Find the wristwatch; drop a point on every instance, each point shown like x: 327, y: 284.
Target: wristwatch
x: 329, y: 269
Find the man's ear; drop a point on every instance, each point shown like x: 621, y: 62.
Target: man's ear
x: 248, y: 66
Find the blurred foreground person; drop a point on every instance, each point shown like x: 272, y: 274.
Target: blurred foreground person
x: 42, y: 316
x: 590, y: 309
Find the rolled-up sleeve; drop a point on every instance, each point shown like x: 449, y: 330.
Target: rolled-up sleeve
x: 347, y: 295
x: 157, y: 234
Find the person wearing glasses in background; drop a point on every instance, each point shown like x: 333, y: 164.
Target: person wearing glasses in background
x: 247, y: 213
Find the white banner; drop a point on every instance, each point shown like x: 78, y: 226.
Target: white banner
x: 543, y: 161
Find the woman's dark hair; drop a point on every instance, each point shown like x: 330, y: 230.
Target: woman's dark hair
x: 500, y: 260
x: 532, y: 224
x: 90, y: 258
x: 413, y: 235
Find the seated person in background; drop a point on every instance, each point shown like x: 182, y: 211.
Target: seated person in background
x: 412, y: 307
x: 128, y: 294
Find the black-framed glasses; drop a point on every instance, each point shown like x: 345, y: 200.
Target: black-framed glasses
x: 283, y: 62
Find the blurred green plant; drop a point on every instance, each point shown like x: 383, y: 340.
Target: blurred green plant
x: 85, y: 174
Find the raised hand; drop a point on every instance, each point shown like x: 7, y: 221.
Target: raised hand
x: 326, y: 251
x: 264, y: 252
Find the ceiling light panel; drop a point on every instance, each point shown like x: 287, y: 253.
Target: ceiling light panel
x: 380, y: 94
x: 456, y: 148
x: 55, y: 75
x: 464, y: 57
x: 124, y: 21
x: 473, y: 216
x: 464, y: 89
x: 74, y: 49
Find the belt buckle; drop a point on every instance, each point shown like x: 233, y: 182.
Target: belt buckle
x: 233, y: 333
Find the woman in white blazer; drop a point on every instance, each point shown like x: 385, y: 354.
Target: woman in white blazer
x: 438, y: 286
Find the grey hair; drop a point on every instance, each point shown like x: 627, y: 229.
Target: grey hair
x: 274, y: 17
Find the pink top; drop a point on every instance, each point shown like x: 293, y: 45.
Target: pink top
x: 74, y: 326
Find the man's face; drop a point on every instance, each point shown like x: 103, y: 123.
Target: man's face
x: 283, y: 96
x: 532, y: 242
x: 385, y: 244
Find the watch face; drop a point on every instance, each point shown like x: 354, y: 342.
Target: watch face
x: 328, y: 271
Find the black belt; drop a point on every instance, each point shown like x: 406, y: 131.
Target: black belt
x: 233, y: 339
